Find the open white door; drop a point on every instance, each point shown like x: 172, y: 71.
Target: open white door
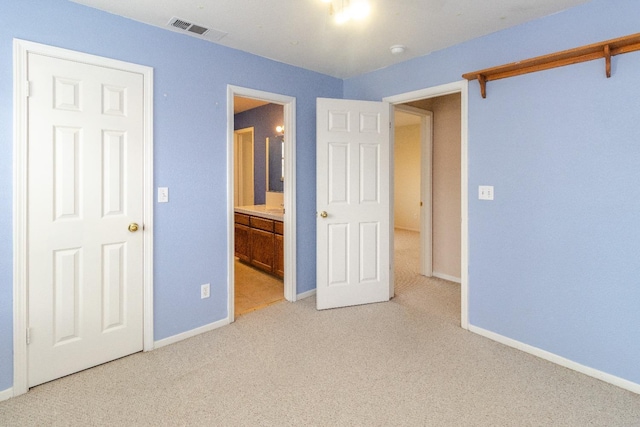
x: 353, y: 228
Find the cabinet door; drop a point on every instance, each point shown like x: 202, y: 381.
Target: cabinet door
x: 242, y: 244
x: 262, y: 246
x: 278, y: 263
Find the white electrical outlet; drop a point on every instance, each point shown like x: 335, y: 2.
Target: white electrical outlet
x: 163, y: 194
x: 205, y: 291
x: 485, y: 192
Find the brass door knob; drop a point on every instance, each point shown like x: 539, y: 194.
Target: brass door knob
x: 324, y: 214
x: 133, y: 227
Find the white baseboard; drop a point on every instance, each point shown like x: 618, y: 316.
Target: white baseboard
x: 307, y: 294
x: 559, y: 360
x: 446, y: 277
x: 6, y: 394
x: 192, y: 333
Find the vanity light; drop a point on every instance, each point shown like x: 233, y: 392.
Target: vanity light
x: 280, y: 129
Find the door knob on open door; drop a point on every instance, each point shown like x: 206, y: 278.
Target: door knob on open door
x: 133, y: 227
x: 324, y: 214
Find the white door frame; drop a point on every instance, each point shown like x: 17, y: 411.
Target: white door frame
x: 21, y: 49
x: 289, y: 104
x: 462, y: 88
x: 239, y: 162
x: 426, y: 186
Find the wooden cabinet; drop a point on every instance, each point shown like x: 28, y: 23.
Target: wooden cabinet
x: 262, y: 249
x: 259, y: 242
x: 278, y: 262
x: 242, y: 237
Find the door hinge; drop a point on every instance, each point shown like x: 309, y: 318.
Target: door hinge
x: 28, y: 336
x: 27, y: 88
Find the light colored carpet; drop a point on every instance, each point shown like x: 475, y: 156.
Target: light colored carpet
x: 255, y: 289
x: 401, y: 363
x: 444, y: 296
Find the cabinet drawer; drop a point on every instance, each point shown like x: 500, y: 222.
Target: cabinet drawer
x: 279, y: 227
x: 241, y: 219
x: 262, y: 224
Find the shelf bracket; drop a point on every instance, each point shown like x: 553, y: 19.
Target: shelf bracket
x: 607, y: 58
x: 483, y: 85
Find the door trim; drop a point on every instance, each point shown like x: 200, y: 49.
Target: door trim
x: 461, y: 87
x: 21, y: 49
x: 426, y: 186
x: 289, y: 104
x: 238, y: 162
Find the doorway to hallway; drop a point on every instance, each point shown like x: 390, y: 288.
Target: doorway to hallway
x: 436, y: 214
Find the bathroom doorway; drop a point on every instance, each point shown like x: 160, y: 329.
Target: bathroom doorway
x: 258, y: 204
x: 262, y: 227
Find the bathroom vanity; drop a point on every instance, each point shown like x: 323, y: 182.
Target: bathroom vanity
x: 259, y: 231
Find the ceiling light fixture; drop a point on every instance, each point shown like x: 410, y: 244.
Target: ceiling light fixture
x: 397, y: 49
x: 343, y: 11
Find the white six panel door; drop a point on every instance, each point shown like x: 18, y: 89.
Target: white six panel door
x: 85, y: 173
x: 352, y: 202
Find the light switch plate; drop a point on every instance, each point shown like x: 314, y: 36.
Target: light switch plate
x: 163, y: 194
x: 485, y: 192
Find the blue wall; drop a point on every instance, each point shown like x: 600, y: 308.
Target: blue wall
x: 554, y: 261
x: 191, y: 78
x: 264, y: 120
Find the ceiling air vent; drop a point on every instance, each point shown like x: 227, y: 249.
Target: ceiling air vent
x: 196, y: 29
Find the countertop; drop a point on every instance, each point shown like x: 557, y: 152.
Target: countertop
x: 269, y: 212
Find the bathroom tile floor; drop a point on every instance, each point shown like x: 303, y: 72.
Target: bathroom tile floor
x: 255, y: 289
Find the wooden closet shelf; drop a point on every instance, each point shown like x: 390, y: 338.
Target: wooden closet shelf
x: 605, y: 50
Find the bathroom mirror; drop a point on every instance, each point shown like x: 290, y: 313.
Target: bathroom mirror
x: 275, y: 163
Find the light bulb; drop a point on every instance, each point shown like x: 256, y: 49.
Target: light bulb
x: 359, y: 9
x: 354, y: 9
x: 342, y: 16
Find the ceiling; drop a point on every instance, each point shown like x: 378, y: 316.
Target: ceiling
x: 301, y: 32
x: 241, y: 104
x: 401, y: 118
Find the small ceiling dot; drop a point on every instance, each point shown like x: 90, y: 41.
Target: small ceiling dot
x: 397, y: 49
